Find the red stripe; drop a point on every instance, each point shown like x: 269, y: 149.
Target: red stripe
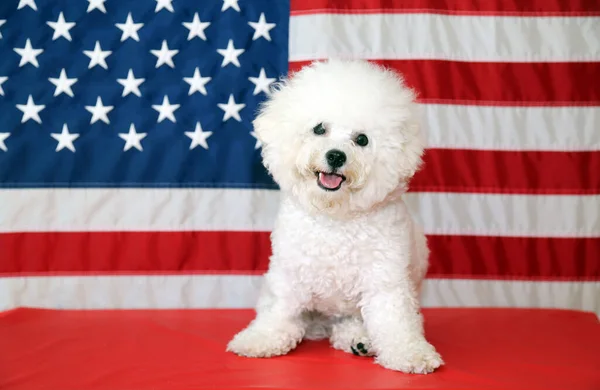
x: 509, y: 172
x: 451, y: 7
x: 494, y: 83
x: 108, y: 252
x: 248, y: 252
x: 515, y: 257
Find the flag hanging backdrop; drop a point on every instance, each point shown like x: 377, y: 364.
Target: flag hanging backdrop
x: 130, y: 176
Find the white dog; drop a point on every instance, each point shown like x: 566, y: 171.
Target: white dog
x: 342, y: 141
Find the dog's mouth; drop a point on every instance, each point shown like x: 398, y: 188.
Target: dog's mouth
x: 330, y: 181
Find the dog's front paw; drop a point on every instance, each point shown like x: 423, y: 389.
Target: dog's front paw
x: 419, y: 358
x: 252, y: 342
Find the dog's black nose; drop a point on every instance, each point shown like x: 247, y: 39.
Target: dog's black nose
x: 335, y: 158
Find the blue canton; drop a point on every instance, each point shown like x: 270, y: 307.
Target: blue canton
x: 136, y: 93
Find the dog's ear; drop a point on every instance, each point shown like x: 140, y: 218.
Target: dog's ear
x: 268, y: 123
x: 265, y: 125
x: 413, y: 150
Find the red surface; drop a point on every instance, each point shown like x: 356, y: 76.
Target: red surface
x: 110, y: 253
x: 168, y: 350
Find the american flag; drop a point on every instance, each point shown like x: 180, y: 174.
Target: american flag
x: 130, y: 176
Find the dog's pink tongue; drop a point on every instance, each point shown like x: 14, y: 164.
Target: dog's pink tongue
x: 329, y: 180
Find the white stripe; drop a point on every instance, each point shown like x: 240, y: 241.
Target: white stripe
x: 507, y: 215
x: 153, y: 209
x: 457, y: 37
x: 241, y: 291
x: 30, y: 210
x: 512, y: 128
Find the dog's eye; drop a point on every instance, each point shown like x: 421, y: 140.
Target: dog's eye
x: 362, y: 140
x: 319, y: 129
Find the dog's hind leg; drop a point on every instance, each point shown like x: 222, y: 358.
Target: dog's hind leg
x: 349, y: 335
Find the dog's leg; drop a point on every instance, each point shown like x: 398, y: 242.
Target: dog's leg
x: 395, y: 327
x: 393, y: 320
x: 349, y: 335
x: 276, y: 330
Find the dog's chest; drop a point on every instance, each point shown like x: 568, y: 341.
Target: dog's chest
x: 331, y: 263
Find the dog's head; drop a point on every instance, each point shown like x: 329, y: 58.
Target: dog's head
x: 340, y: 136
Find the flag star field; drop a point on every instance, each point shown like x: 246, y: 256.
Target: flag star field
x: 139, y: 93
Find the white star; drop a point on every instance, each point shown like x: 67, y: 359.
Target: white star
x: 61, y: 28
x: 166, y: 110
x: 197, y: 82
x: 132, y: 139
x: 30, y: 3
x: 164, y: 55
x: 65, y: 139
x: 31, y: 110
x: 230, y: 4
x: 130, y: 29
x: 230, y: 55
x: 2, y: 21
x: 232, y: 110
x: 63, y: 84
x: 261, y: 83
x: 29, y: 54
x: 131, y: 84
x: 196, y: 28
x: 99, y: 111
x: 198, y: 137
x: 97, y: 56
x: 2, y: 81
x: 96, y: 4
x: 166, y: 4
x: 258, y: 144
x: 3, y: 137
x: 262, y: 28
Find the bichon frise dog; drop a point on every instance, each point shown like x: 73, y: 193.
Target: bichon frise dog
x: 342, y: 140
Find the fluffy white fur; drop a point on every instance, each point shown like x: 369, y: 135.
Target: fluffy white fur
x: 348, y: 264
